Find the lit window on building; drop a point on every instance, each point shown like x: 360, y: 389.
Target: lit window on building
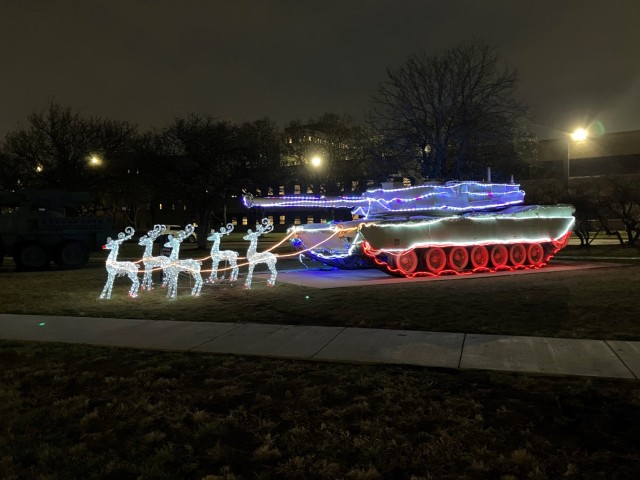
x: 355, y: 217
x: 281, y: 190
x: 283, y: 219
x: 406, y: 182
x: 245, y: 221
x: 234, y: 221
x: 309, y: 189
x: 270, y: 191
x: 323, y: 220
x: 296, y: 189
x: 258, y: 192
x: 270, y: 217
x: 296, y: 221
x: 310, y: 219
x: 160, y: 207
x: 354, y: 185
x: 173, y: 206
x: 184, y: 208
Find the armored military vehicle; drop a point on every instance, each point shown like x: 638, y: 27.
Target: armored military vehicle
x: 432, y: 229
x: 37, y: 227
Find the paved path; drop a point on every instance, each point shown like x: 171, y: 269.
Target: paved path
x: 559, y: 356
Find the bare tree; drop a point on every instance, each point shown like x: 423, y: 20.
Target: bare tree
x: 54, y: 148
x: 200, y: 157
x: 442, y: 111
x: 620, y: 198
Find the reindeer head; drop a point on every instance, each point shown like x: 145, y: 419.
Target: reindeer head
x: 151, y: 235
x: 122, y: 236
x: 180, y: 237
x: 266, y: 227
x: 223, y: 231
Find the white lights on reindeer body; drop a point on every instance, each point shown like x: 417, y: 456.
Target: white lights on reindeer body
x: 218, y: 255
x: 175, y: 265
x: 254, y: 258
x: 117, y: 268
x: 150, y: 262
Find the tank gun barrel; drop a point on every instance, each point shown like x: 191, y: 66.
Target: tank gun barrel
x: 300, y: 201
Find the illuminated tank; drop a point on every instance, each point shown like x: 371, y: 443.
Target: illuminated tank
x: 432, y: 229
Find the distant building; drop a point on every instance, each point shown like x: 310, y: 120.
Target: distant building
x: 609, y: 154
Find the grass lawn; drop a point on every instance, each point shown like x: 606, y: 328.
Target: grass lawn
x: 600, y: 303
x: 76, y: 412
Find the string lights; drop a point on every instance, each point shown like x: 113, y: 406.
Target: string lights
x: 218, y: 255
x: 255, y: 258
x: 176, y: 265
x: 150, y: 262
x: 455, y: 216
x: 117, y: 268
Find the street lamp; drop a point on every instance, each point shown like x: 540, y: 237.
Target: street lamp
x: 316, y: 161
x: 578, y: 135
x: 95, y: 161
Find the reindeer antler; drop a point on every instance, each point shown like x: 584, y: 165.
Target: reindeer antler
x: 155, y: 233
x: 188, y: 230
x: 266, y: 226
x: 227, y: 230
x: 126, y: 235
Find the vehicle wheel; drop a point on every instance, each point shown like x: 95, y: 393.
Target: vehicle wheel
x: 479, y: 256
x: 435, y: 259
x: 499, y: 256
x: 517, y: 254
x: 406, y: 262
x: 458, y: 258
x: 72, y: 255
x: 31, y: 256
x: 535, y: 254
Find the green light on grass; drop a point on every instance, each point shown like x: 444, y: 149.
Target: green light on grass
x: 42, y: 324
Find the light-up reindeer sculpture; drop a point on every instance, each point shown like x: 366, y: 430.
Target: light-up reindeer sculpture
x: 254, y: 258
x: 218, y: 255
x: 176, y: 265
x: 114, y: 267
x: 150, y: 262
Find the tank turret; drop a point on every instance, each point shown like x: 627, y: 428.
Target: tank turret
x: 432, y: 229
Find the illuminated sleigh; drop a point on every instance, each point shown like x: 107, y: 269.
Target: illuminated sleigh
x: 432, y: 229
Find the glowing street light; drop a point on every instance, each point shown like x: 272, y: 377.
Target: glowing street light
x: 95, y: 161
x: 316, y: 161
x: 578, y: 135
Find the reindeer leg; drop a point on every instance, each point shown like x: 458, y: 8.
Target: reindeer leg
x: 247, y: 282
x: 214, y: 271
x: 234, y: 272
x: 106, y: 291
x: 198, y: 286
x: 135, y: 285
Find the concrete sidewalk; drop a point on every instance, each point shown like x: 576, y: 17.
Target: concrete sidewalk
x: 558, y: 356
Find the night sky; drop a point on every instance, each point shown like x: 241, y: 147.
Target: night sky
x: 149, y: 61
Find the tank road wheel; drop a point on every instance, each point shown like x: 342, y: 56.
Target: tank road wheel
x: 406, y: 262
x: 435, y: 259
x: 458, y: 258
x: 479, y: 256
x: 72, y: 255
x: 517, y: 254
x: 499, y: 256
x: 535, y: 254
x: 31, y: 256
